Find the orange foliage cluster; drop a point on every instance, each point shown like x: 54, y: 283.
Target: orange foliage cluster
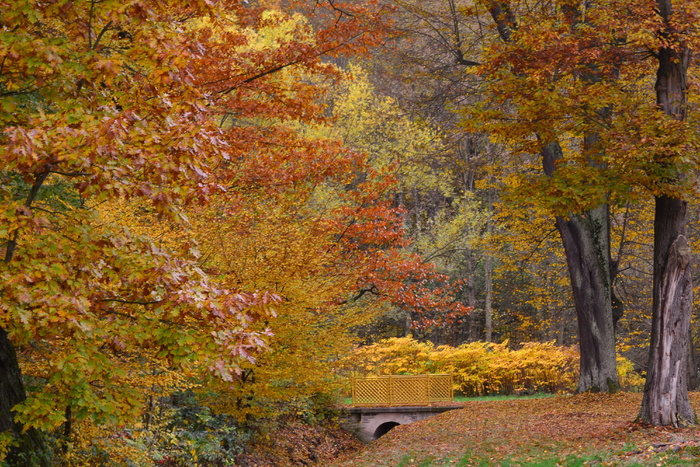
x: 118, y: 115
x: 162, y: 192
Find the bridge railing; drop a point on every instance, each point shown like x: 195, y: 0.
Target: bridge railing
x: 401, y: 390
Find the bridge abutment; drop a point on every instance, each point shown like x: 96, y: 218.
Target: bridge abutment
x: 370, y: 423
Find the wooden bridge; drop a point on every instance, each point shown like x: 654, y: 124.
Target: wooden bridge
x: 383, y: 402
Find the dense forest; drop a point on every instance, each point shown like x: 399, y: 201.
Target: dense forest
x: 216, y: 212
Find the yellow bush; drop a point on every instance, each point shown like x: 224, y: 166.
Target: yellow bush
x: 394, y: 356
x: 630, y: 380
x: 471, y: 365
x: 481, y: 368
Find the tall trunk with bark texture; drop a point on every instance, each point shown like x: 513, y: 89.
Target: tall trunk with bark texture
x: 586, y: 241
x: 665, y: 399
x: 588, y: 260
x: 474, y: 333
x: 692, y: 363
x: 488, y: 274
x: 488, y: 298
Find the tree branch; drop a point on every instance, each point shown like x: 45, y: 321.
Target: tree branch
x: 38, y: 182
x: 373, y: 290
x: 504, y: 18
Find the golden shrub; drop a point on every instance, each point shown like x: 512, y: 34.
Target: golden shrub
x: 482, y: 368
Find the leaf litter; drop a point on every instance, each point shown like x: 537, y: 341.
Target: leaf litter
x: 582, y: 429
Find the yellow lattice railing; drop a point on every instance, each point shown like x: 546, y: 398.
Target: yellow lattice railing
x: 401, y: 390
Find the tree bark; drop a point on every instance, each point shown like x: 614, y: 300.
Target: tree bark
x: 692, y: 363
x: 586, y: 241
x: 488, y: 274
x: 29, y: 448
x: 488, y: 310
x: 665, y: 399
x: 474, y: 333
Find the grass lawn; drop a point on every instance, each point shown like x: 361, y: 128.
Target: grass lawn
x: 570, y: 431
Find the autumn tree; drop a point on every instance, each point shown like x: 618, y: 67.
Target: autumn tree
x: 666, y: 392
x: 528, y: 58
x: 104, y: 101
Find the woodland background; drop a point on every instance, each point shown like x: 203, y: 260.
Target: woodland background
x: 215, y: 213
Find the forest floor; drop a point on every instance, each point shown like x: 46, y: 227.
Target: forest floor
x: 584, y: 429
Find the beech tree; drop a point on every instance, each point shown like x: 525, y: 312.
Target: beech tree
x: 666, y: 391
x: 105, y: 101
x: 527, y: 58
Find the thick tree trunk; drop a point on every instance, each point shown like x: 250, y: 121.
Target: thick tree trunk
x: 30, y: 449
x: 665, y: 399
x: 585, y: 238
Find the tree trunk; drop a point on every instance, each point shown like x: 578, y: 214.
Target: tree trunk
x: 29, y: 448
x: 665, y: 399
x: 586, y: 240
x: 474, y: 333
x: 488, y: 311
x: 488, y: 274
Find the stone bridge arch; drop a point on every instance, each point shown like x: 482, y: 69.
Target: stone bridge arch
x: 384, y: 428
x: 370, y: 423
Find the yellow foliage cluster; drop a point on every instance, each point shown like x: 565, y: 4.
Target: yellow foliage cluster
x: 482, y: 368
x: 629, y: 379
